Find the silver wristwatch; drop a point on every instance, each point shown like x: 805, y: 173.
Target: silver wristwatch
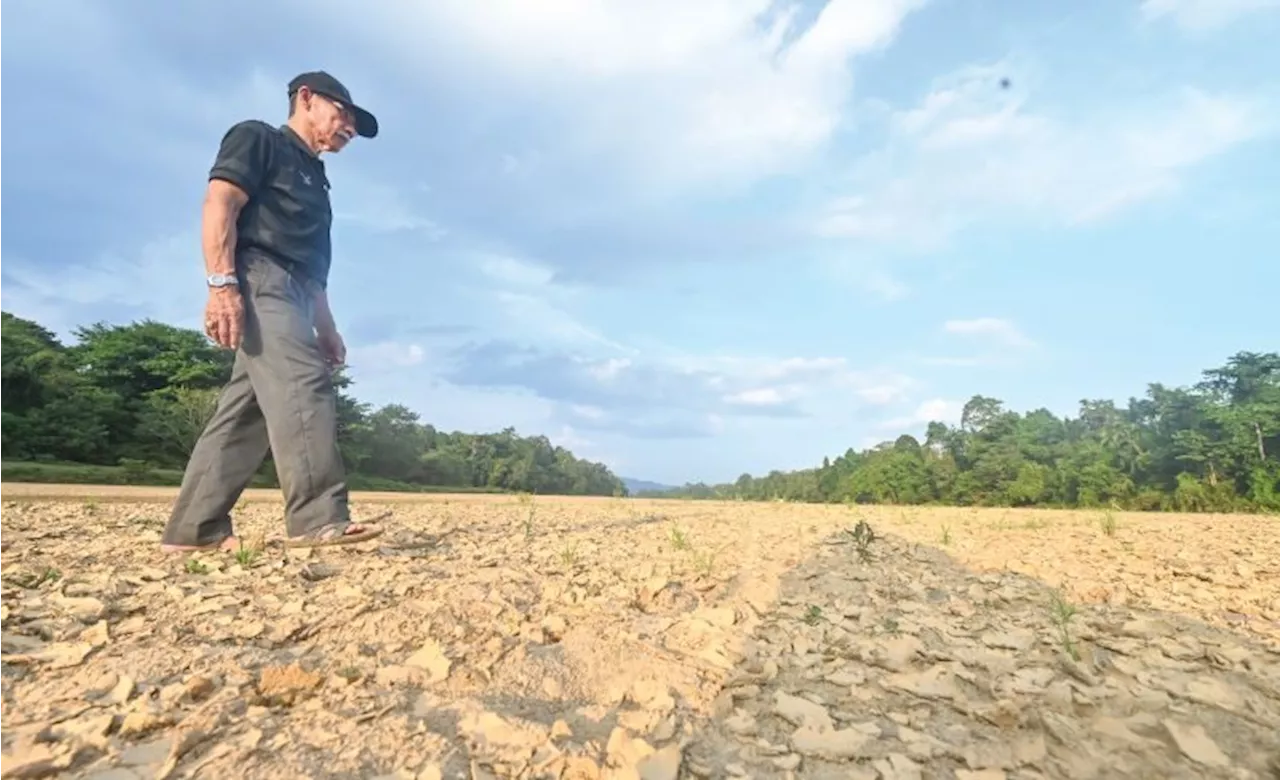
x: 222, y: 280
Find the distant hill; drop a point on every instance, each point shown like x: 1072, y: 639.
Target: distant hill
x: 635, y: 486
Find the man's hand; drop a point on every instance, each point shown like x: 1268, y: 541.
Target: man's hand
x: 332, y: 347
x: 224, y: 313
x: 224, y: 316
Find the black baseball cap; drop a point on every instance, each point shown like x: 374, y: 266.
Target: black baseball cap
x: 322, y: 83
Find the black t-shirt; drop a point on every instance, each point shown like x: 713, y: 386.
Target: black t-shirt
x: 288, y: 216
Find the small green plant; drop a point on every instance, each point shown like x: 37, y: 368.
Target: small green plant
x: 247, y: 554
x: 91, y: 507
x: 31, y: 580
x: 679, y: 539
x: 813, y: 614
x: 1060, y: 612
x: 528, y: 510
x: 196, y: 566
x: 134, y: 471
x: 946, y: 534
x: 569, y: 555
x: 350, y: 673
x: 891, y: 626
x: 862, y: 536
x: 704, y: 562
x: 1108, y: 523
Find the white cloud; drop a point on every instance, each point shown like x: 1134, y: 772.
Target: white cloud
x: 933, y: 410
x: 676, y: 93
x: 1204, y: 15
x: 379, y: 208
x: 587, y: 411
x: 864, y: 276
x: 677, y: 396
x: 998, y: 330
x: 763, y: 396
x: 163, y: 280
x: 971, y: 151
x: 538, y: 319
x: 762, y: 381
x: 568, y: 438
x: 884, y: 286
x: 531, y: 306
x: 960, y: 362
x: 385, y: 356
x: 515, y: 272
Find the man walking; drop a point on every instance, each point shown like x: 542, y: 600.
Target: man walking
x: 265, y: 236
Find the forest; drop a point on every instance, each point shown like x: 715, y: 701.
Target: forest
x: 126, y: 403
x: 1212, y: 447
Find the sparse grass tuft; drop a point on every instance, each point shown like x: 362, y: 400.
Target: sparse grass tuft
x: 1060, y: 612
x: 350, y: 673
x: 569, y: 555
x: 813, y: 614
x: 862, y: 536
x: 679, y: 539
x: 527, y: 510
x: 196, y: 566
x: 1108, y: 523
x: 31, y: 580
x: 946, y: 534
x: 246, y: 556
x: 250, y: 550
x: 704, y: 562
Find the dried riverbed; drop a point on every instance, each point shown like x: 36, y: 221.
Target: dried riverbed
x: 487, y: 637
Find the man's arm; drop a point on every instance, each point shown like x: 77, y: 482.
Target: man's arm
x: 331, y: 343
x: 324, y: 315
x: 222, y: 204
x: 241, y: 164
x: 238, y: 171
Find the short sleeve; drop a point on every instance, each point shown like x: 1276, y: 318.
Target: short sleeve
x: 244, y: 156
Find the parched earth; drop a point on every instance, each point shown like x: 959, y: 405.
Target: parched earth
x: 595, y: 638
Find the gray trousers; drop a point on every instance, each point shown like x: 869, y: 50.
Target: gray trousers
x: 280, y: 396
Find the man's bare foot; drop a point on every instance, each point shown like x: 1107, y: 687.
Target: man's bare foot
x: 230, y: 544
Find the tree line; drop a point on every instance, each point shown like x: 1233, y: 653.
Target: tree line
x: 135, y: 397
x: 1210, y: 447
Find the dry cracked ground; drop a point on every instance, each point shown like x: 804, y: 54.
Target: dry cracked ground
x: 492, y: 637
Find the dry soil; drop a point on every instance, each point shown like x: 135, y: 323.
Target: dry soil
x: 489, y: 637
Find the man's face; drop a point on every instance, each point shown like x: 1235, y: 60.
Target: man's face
x: 333, y: 121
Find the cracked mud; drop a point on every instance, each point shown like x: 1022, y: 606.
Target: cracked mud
x: 489, y: 637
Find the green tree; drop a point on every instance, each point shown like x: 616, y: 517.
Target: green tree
x: 1211, y: 447
x: 144, y: 392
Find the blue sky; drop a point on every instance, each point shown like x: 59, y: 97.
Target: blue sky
x: 689, y: 239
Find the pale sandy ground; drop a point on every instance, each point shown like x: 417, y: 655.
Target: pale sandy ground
x: 486, y: 637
